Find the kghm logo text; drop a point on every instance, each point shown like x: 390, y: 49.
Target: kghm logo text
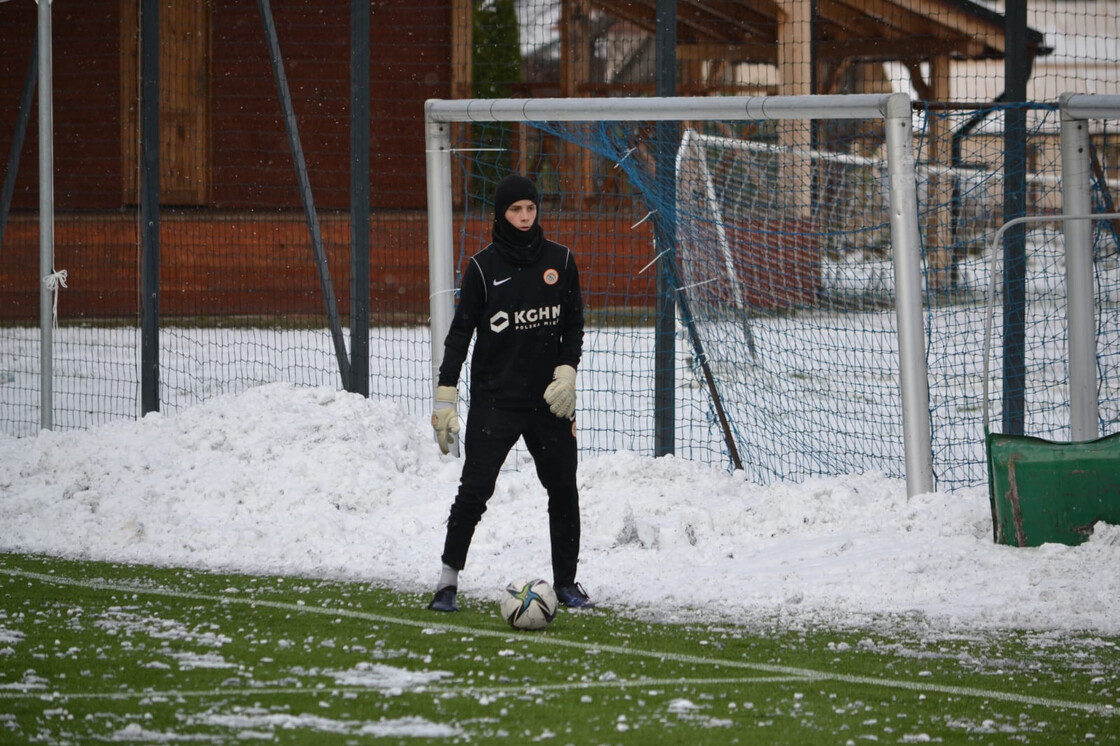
x: 528, y: 318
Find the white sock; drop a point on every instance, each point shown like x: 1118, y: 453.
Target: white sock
x: 447, y: 576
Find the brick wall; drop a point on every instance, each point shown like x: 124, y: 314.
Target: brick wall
x: 214, y: 265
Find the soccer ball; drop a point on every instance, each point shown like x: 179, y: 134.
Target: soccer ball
x: 528, y: 604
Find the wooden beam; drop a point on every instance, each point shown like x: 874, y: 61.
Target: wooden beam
x: 462, y: 32
x: 733, y: 20
x: 854, y: 25
x: 575, y: 46
x: 832, y: 78
x: 795, y: 68
x: 940, y: 180
x: 795, y: 48
x: 945, y: 15
x: 636, y: 13
x: 184, y: 105
x: 921, y: 87
x: 695, y: 21
x: 462, y: 44
x: 574, y: 170
x: 912, y: 48
x: 891, y: 20
x: 729, y: 52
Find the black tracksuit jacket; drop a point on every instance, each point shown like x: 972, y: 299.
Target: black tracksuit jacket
x: 528, y: 319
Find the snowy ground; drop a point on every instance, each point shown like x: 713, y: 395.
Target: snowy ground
x: 317, y: 482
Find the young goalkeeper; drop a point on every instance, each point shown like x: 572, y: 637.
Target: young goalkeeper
x: 520, y: 295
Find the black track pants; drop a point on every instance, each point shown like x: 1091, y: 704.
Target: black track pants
x: 551, y: 441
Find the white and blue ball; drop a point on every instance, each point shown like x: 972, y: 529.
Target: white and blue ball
x: 528, y: 604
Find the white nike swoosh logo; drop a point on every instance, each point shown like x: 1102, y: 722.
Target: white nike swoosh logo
x: 502, y: 282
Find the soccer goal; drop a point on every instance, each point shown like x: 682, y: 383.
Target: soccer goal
x: 712, y: 236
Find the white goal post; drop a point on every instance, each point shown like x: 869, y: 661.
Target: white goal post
x: 893, y: 109
x: 1076, y: 200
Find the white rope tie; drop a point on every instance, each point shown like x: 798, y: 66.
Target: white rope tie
x: 653, y: 261
x: 697, y: 284
x: 649, y: 215
x: 53, y: 281
x: 441, y: 292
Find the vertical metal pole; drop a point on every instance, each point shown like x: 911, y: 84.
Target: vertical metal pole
x: 664, y: 395
x: 18, y: 137
x: 441, y: 269
x: 1014, y: 205
x: 149, y: 206
x: 1080, y: 295
x: 46, y: 218
x: 908, y: 301
x: 303, y: 181
x: 359, y: 196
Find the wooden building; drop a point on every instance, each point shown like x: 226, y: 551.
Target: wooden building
x: 227, y: 181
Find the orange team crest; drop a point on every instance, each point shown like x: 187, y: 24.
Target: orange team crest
x: 550, y: 277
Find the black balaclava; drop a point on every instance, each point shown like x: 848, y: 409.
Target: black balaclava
x: 518, y: 247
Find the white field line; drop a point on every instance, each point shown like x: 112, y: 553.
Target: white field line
x: 511, y: 690
x: 545, y: 640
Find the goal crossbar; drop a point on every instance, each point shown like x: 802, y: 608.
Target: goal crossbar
x: 726, y: 108
x: 894, y: 109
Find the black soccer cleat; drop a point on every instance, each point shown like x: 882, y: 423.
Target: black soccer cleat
x: 444, y: 600
x: 574, y: 596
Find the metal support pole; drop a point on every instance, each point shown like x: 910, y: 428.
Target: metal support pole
x: 359, y: 197
x: 46, y: 218
x: 441, y: 268
x: 149, y: 206
x: 1014, y: 206
x: 1080, y: 294
x: 905, y: 239
x: 304, y: 181
x: 665, y: 354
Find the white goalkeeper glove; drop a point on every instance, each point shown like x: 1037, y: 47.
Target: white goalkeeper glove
x: 561, y: 393
x: 445, y: 419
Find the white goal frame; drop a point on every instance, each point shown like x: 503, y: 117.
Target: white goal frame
x: 894, y: 109
x: 1077, y: 179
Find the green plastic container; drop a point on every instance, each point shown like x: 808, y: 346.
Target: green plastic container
x: 1046, y: 492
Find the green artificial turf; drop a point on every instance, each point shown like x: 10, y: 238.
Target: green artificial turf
x: 95, y: 652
